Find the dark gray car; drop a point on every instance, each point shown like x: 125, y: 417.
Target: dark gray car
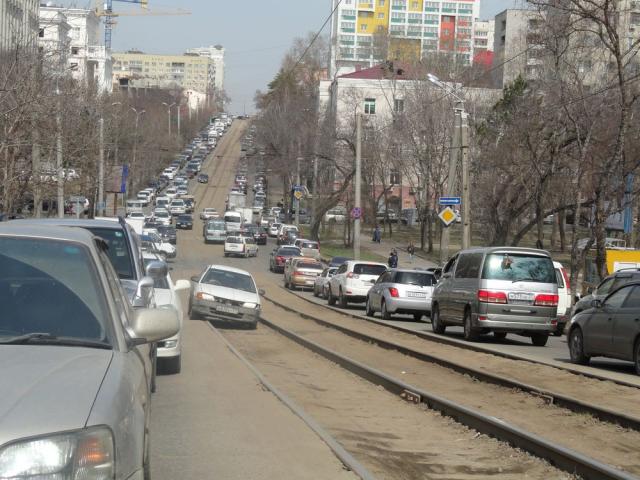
x: 608, y: 285
x: 500, y: 290
x: 611, y: 328
x: 76, y: 380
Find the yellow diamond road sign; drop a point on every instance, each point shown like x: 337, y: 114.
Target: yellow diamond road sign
x: 298, y: 194
x: 447, y: 215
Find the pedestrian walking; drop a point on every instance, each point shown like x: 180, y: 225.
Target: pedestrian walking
x: 411, y: 250
x: 377, y: 234
x: 393, y: 259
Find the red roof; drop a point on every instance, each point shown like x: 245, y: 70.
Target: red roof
x: 380, y: 72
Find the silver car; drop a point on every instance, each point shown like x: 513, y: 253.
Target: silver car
x: 401, y: 291
x: 225, y: 293
x: 75, y: 358
x: 320, y: 284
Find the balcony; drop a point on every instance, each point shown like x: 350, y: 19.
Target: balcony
x: 97, y: 53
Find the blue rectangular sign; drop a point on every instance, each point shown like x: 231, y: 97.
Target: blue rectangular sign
x: 450, y: 201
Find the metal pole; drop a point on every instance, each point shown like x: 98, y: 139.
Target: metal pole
x: 169, y: 115
x: 314, y: 201
x: 358, y: 179
x: 297, y: 185
x: 178, y: 119
x: 100, y: 210
x: 466, y: 197
x: 451, y: 181
x: 135, y: 150
x: 59, y: 170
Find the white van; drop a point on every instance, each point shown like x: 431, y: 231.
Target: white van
x: 232, y: 221
x: 134, y: 206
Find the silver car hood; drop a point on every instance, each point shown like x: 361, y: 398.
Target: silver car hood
x: 229, y: 293
x: 48, y: 389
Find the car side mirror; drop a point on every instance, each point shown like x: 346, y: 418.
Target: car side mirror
x: 445, y: 275
x: 195, y: 278
x: 182, y: 285
x: 154, y: 324
x: 157, y: 269
x: 144, y: 291
x: 596, y: 303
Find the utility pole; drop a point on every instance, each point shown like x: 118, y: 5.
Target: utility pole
x: 178, y: 119
x: 135, y: 148
x: 100, y: 209
x: 358, y: 179
x: 314, y: 200
x: 451, y: 179
x: 59, y: 169
x: 297, y: 185
x: 169, y: 114
x: 464, y: 151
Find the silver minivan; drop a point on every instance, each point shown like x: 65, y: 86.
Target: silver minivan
x: 500, y: 290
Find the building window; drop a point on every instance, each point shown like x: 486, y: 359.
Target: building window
x: 394, y: 177
x: 398, y: 105
x: 414, y: 5
x: 370, y: 106
x: 75, y: 50
x: 363, y: 27
x: 381, y: 16
x: 41, y: 33
x: 381, y: 3
x: 73, y: 66
x: 381, y: 28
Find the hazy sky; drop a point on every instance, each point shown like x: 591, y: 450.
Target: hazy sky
x: 255, y: 33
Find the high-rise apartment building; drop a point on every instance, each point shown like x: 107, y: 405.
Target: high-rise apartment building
x: 366, y: 32
x: 216, y: 54
x: 18, y: 24
x: 135, y: 69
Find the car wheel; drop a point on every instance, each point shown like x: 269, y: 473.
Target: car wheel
x: 172, y: 365
x: 500, y: 335
x: 342, y: 299
x: 331, y: 300
x: 384, y: 313
x: 470, y: 333
x: 315, y: 291
x: 576, y: 347
x: 417, y: 317
x: 539, y: 339
x: 226, y: 254
x: 368, y: 310
x: 436, y: 323
x: 324, y: 294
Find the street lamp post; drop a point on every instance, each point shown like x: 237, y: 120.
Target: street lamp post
x: 459, y: 152
x: 169, y: 113
x: 135, y: 144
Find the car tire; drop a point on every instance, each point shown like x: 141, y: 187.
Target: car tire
x: 417, y: 317
x: 226, y: 254
x: 172, y: 365
x: 539, y: 339
x: 315, y: 292
x: 576, y: 347
x: 436, y: 322
x: 342, y: 299
x: 368, y: 310
x: 470, y: 333
x: 500, y: 335
x: 384, y: 313
x: 331, y: 300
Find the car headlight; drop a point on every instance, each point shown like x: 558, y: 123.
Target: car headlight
x: 205, y: 296
x: 251, y: 305
x: 84, y: 454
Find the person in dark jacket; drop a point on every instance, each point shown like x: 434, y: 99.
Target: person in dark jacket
x: 393, y: 259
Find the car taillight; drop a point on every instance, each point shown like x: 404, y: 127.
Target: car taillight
x: 352, y: 275
x: 566, y: 279
x: 486, y: 296
x: 279, y: 259
x: 546, y: 300
x: 394, y: 292
x: 297, y: 273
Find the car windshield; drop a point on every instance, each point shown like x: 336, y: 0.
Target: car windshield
x: 366, y: 269
x: 215, y: 226
x: 225, y: 278
x: 415, y: 278
x: 118, y: 252
x: 50, y: 287
x: 289, y: 252
x: 162, y: 214
x: 519, y: 267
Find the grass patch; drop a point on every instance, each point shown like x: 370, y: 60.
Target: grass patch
x: 330, y: 250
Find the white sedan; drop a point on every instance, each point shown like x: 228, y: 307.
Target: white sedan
x: 165, y: 292
x: 209, y: 214
x: 162, y: 216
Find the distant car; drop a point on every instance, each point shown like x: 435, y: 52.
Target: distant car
x: 226, y: 294
x: 76, y: 355
x: 177, y: 207
x: 162, y: 216
x: 309, y: 248
x: 609, y: 329
x: 137, y: 215
x: 209, y: 213
x: 352, y: 281
x: 182, y: 190
x: 301, y: 272
x: 274, y: 228
x: 260, y: 235
x: 165, y: 292
x: 184, y: 222
x: 337, y: 261
x: 401, y: 291
x: 335, y: 215
x: 168, y: 234
x: 203, y: 178
x: 320, y: 284
x: 214, y: 231
x: 241, y: 246
x: 605, y: 287
x: 279, y: 256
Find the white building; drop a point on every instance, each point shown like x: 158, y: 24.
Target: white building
x: 215, y: 53
x: 483, y: 35
x: 18, y: 24
x: 53, y: 38
x: 88, y: 59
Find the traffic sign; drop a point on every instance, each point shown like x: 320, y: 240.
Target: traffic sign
x: 450, y: 201
x: 356, y: 213
x: 448, y: 216
x: 298, y: 194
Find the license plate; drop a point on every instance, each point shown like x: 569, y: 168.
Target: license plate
x: 417, y: 294
x: 521, y: 297
x: 226, y: 309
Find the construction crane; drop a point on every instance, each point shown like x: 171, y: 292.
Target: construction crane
x: 106, y: 10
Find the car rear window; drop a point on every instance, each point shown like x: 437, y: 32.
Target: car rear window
x: 519, y: 267
x: 234, y: 240
x: 312, y: 245
x: 365, y: 269
x: 415, y: 278
x: 288, y: 252
x: 310, y: 265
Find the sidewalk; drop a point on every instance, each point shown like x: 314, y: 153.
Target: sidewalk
x: 384, y: 249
